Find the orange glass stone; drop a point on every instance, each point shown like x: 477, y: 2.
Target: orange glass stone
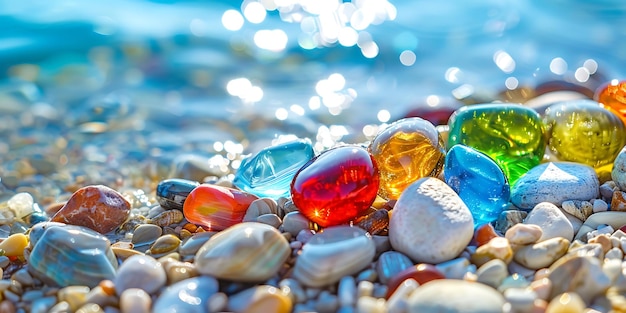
x: 216, y: 207
x: 612, y: 97
x: 406, y: 151
x: 484, y: 234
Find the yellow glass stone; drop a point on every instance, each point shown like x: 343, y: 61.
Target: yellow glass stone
x: 14, y: 245
x: 584, y: 132
x: 406, y: 151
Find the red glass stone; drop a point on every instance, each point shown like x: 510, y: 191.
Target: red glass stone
x: 422, y: 273
x: 484, y: 234
x: 216, y: 207
x: 336, y: 186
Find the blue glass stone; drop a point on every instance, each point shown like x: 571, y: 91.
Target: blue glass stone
x: 171, y: 193
x: 479, y: 181
x: 269, y: 172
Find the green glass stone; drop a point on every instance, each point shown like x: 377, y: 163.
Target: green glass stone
x: 584, y: 132
x: 511, y: 134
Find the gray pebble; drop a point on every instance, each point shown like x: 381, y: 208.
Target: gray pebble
x: 304, y: 235
x: 217, y: 302
x: 270, y: 219
x: 32, y: 295
x: 43, y: 305
x: 347, y: 291
x: 381, y: 243
x: 369, y: 275
x: 521, y: 299
x: 23, y: 277
x: 4, y: 261
x: 492, y: 273
x: 509, y: 218
x: 294, y: 222
x: 293, y: 288
x: 327, y: 302
x: 312, y: 293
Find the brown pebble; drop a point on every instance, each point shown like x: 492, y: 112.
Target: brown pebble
x: 97, y: 207
x: 54, y: 208
x: 618, y: 202
x: 191, y: 227
x: 167, y: 218
x: 7, y: 306
x: 108, y: 287
x: 604, y: 240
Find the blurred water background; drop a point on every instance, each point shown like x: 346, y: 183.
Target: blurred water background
x: 119, y: 80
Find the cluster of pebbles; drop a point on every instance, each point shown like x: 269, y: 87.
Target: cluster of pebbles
x: 559, y: 248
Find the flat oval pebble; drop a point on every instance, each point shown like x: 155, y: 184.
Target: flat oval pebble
x: 140, y: 271
x: 68, y: 255
x: 247, y: 252
x: 542, y: 254
x: 97, y: 207
x: 171, y: 193
x: 430, y: 223
x: 332, y: 254
x: 455, y: 296
x: 551, y: 220
x: 146, y: 234
x: 523, y: 234
x: 555, y: 182
x: 492, y: 273
x: 260, y: 299
x: 216, y: 207
x: 190, y: 295
x: 191, y: 245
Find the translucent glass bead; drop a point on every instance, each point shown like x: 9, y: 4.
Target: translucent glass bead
x: 337, y: 186
x: 406, y: 151
x: 612, y: 97
x: 511, y: 134
x: 584, y: 132
x: 269, y: 172
x: 479, y: 181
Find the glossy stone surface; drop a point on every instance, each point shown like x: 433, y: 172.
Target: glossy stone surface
x: 612, y: 96
x: 336, y: 252
x: 336, y: 186
x: 190, y: 295
x: 171, y: 193
x: 582, y: 131
x: 247, y: 252
x: 269, y: 172
x: 422, y: 273
x: 479, y: 181
x: 97, y: 207
x: 405, y: 151
x: 66, y: 255
x: 216, y: 207
x: 511, y: 134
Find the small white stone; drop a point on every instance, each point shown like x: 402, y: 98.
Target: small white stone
x: 523, y: 234
x: 21, y: 204
x: 135, y: 300
x: 551, y: 220
x: 492, y: 273
x: 430, y: 222
x: 521, y: 299
x: 542, y: 254
x: 397, y: 302
x: 555, y: 182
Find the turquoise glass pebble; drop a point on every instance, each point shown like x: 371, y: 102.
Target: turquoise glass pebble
x: 269, y: 172
x: 479, y: 181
